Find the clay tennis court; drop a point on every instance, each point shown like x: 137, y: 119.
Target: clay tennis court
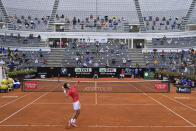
x: 50, y: 111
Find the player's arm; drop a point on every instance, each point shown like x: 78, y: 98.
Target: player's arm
x: 65, y: 92
x: 77, y: 83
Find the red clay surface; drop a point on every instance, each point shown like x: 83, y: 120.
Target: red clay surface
x: 50, y: 111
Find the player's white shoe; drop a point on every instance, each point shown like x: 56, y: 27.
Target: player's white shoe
x: 73, y: 124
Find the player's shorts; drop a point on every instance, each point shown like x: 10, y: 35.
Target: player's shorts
x: 76, y: 105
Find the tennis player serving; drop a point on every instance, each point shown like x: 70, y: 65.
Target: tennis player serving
x: 71, y: 91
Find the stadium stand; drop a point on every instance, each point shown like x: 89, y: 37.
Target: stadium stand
x: 96, y: 55
x: 162, y: 16
x: 174, y: 42
x: 24, y: 16
x: 12, y: 40
x: 183, y: 61
x: 17, y: 59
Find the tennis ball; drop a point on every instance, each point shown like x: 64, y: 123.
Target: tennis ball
x: 11, y: 85
x: 3, y: 86
x: 10, y: 80
x: 3, y: 82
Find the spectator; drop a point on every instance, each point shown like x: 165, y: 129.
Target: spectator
x: 95, y: 76
x: 74, y: 22
x: 122, y: 74
x: 136, y: 73
x: 44, y: 61
x: 140, y: 73
x: 124, y: 61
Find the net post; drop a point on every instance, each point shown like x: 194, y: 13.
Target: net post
x: 22, y: 86
x: 168, y: 87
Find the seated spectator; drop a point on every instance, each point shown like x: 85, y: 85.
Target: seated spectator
x: 95, y: 76
x: 44, y: 61
x: 124, y: 61
x: 36, y: 61
x: 122, y: 74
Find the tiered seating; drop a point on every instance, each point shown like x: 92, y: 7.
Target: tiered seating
x: 36, y: 9
x: 171, y: 61
x: 34, y: 15
x: 96, y: 55
x: 170, y: 9
x: 20, y: 41
x: 162, y: 23
x: 91, y: 24
x: 15, y: 59
x: 101, y: 8
x: 29, y: 23
x: 174, y: 42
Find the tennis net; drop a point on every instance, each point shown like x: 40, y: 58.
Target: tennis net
x: 145, y: 86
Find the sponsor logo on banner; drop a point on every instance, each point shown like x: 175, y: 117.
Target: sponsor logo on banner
x: 43, y: 76
x: 183, y: 90
x: 146, y: 74
x: 149, y: 75
x: 107, y: 71
x: 30, y: 85
x: 63, y: 70
x: 84, y: 71
x: 94, y: 39
x: 161, y: 86
x: 103, y: 70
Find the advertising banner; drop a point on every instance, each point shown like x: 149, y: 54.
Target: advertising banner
x: 107, y: 71
x: 30, y: 85
x: 83, y: 71
x: 161, y: 86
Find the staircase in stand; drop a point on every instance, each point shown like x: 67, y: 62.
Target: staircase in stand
x: 188, y: 15
x: 137, y: 57
x: 6, y: 18
x: 52, y: 17
x: 140, y: 17
x: 55, y: 57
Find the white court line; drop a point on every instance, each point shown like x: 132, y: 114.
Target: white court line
x: 128, y: 104
x: 101, y: 126
x: 30, y: 125
x: 23, y: 107
x: 94, y: 81
x: 172, y: 111
x: 52, y: 103
x: 187, y: 98
x: 96, y: 93
x: 179, y: 102
x: 9, y: 97
x: 166, y: 107
x: 98, y: 104
x: 105, y: 126
x: 14, y: 100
